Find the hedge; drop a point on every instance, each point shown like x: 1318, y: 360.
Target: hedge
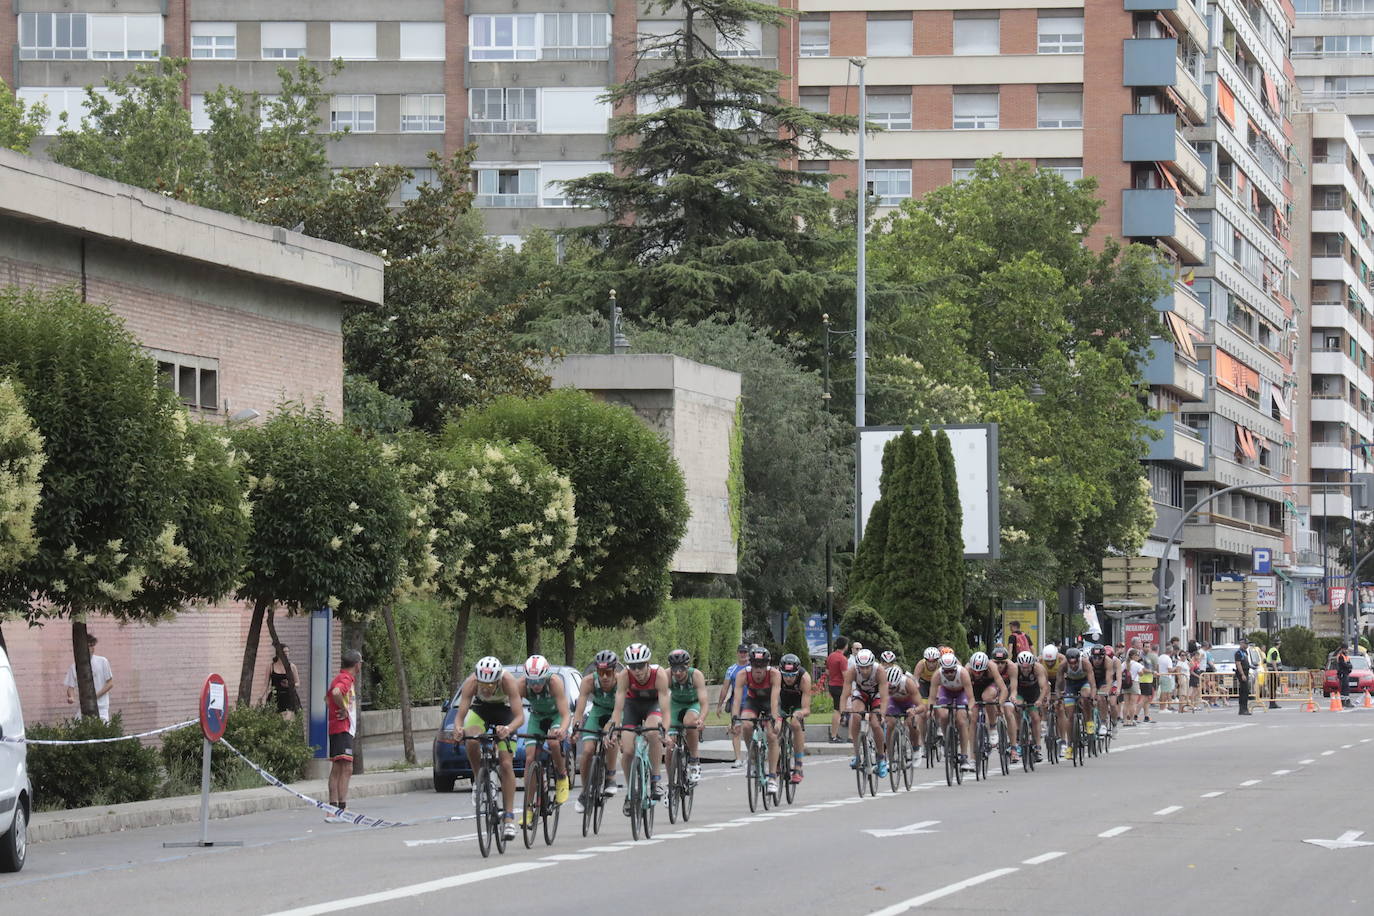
x: 78, y: 776
x: 260, y: 732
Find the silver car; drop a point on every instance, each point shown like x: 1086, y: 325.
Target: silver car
x: 16, y: 794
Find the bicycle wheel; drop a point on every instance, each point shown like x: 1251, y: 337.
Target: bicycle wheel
x: 1003, y: 746
x: 636, y: 794
x: 787, y: 764
x: 980, y: 750
x: 550, y: 808
x: 751, y: 776
x: 1028, y: 744
x: 673, y: 789
x: 1052, y: 737
x: 861, y: 762
x: 932, y: 738
x: 1076, y: 739
x: 595, y: 776
x: 951, y: 766
x: 689, y: 792
x: 529, y: 819
x: 894, y: 755
x: 481, y: 798
x: 909, y: 772
x: 952, y: 746
x: 498, y: 826
x: 871, y: 752
x: 768, y: 799
x: 599, y: 797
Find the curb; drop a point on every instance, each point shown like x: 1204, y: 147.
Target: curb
x: 48, y: 826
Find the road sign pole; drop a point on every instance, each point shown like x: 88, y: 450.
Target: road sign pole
x: 214, y: 717
x: 205, y: 792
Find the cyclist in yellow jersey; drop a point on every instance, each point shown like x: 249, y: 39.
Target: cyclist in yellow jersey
x: 924, y: 673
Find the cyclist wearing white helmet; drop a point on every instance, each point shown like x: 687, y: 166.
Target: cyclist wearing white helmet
x: 924, y: 673
x: 866, y: 686
x: 595, y: 705
x: 903, y: 701
x: 549, y: 718
x: 954, y: 687
x: 1032, y: 685
x: 757, y: 693
x: 641, y: 695
x: 1075, y: 681
x: 490, y: 696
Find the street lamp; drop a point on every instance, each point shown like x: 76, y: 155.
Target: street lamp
x: 246, y: 415
x: 825, y: 396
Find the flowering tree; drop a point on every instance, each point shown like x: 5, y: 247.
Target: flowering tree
x: 21, y: 459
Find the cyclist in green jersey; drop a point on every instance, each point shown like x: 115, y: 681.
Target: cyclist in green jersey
x: 594, y: 708
x: 687, y: 699
x: 548, y: 702
x: 491, y: 696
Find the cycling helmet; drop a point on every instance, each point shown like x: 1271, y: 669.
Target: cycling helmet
x: 1025, y: 658
x: 948, y: 661
x: 1111, y: 653
x: 888, y: 657
x: 1098, y: 652
x: 978, y: 661
x: 946, y: 649
x: 1072, y: 655
x: 790, y: 665
x: 759, y: 657
x: 863, y: 658
x: 636, y: 653
x: 488, y: 669
x: 1050, y: 653
x: 537, y: 669
x: 931, y: 654
x: 679, y: 658
x: 895, y: 675
x: 605, y: 659
x: 1000, y: 654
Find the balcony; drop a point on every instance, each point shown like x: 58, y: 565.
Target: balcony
x: 1336, y: 315
x: 1182, y: 302
x: 1333, y: 456
x: 1156, y: 213
x: 1150, y: 62
x: 1177, y: 443
x: 1155, y: 138
x: 1167, y: 368
x: 1330, y: 502
x: 1223, y: 469
x: 1181, y: 13
x: 1186, y: 85
x: 1335, y: 409
x: 1220, y: 534
x: 1337, y: 362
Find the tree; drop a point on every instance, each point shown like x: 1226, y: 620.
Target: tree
x: 21, y: 461
x: 1301, y: 649
x: 916, y: 581
x: 631, y: 506
x: 953, y: 629
x: 19, y: 123
x: 329, y: 522
x: 705, y: 212
x: 870, y: 558
x: 864, y: 623
x: 794, y: 640
x: 369, y: 409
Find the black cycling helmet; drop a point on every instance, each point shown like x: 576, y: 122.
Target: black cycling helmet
x: 1098, y: 652
x: 1000, y: 654
x: 759, y: 657
x: 679, y: 658
x: 790, y: 664
x: 605, y: 660
x: 1072, y: 655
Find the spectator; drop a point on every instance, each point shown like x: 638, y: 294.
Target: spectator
x: 1130, y: 684
x: 282, y: 681
x: 835, y: 664
x: 854, y: 648
x: 1019, y: 642
x: 1165, y: 682
x: 1195, y: 661
x: 1243, y: 676
x: 1274, y: 661
x: 727, y: 695
x: 1343, y: 669
x: 342, y: 713
x: 1150, y: 660
x: 101, y: 675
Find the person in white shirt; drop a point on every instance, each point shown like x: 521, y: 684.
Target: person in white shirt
x: 100, y: 674
x: 1166, y: 681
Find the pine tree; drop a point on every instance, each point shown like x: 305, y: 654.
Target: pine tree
x: 706, y: 212
x: 795, y: 639
x: 915, y: 585
x: 866, y: 575
x: 954, y: 629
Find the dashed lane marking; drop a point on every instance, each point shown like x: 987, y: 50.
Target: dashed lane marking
x: 1043, y: 858
x: 931, y: 896
x: 1212, y: 794
x: 1249, y: 782
x: 414, y: 890
x: 1163, y: 812
x: 1115, y: 831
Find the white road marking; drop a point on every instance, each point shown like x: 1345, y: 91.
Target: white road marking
x: 1366, y: 740
x: 414, y: 890
x: 1169, y: 810
x: 441, y: 840
x: 569, y: 857
x: 701, y: 830
x: 1249, y: 782
x: 1346, y: 747
x: 1212, y: 794
x: 908, y: 830
x: 778, y: 813
x: 1043, y: 858
x: 605, y: 848
x: 1348, y: 840
x: 1115, y: 831
x: 1280, y: 772
x: 1216, y: 731
x: 913, y: 902
x: 672, y: 836
x: 1306, y: 762
x: 1327, y: 753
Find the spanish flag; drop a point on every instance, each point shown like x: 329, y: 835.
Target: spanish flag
x: 1189, y: 277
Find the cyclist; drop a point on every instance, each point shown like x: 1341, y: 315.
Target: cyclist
x: 1108, y: 680
x: 490, y: 696
x: 687, y: 687
x: 757, y: 690
x: 1075, y: 682
x: 594, y: 710
x: 988, y: 686
x: 953, y: 688
x: 903, y: 699
x: 1031, y: 685
x: 924, y: 673
x: 1002, y: 664
x: 888, y: 658
x: 1051, y: 659
x: 794, y: 699
x: 548, y: 702
x: 641, y: 695
x: 866, y: 686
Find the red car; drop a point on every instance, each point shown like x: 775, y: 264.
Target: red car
x: 1361, y: 676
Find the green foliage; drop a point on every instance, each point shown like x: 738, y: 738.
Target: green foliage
x: 727, y: 629
x: 369, y: 409
x: 1301, y: 648
x: 20, y: 124
x: 259, y: 732
x: 693, y: 616
x: 21, y: 461
x: 916, y: 580
x: 425, y: 630
x: 794, y: 640
x: 863, y: 623
x: 1258, y: 638
x: 78, y: 776
x: 867, y: 575
x: 953, y: 543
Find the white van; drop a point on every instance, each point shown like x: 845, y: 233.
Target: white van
x: 16, y: 794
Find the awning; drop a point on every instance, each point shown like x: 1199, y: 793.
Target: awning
x: 1179, y: 328
x: 1226, y: 102
x: 1280, y: 403
x: 1168, y: 177
x: 1271, y: 93
x: 1247, y: 443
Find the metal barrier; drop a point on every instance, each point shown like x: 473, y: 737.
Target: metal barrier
x: 1276, y: 686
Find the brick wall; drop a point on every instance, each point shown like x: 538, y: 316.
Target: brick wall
x: 848, y: 34
x: 934, y: 32
x: 1019, y: 31
x: 934, y: 108
x: 1017, y: 103
x: 929, y: 174
x: 1105, y: 101
x: 455, y: 77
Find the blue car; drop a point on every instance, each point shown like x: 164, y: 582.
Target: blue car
x: 450, y: 759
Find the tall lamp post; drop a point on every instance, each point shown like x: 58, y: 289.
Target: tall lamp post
x: 829, y: 577
x: 1351, y: 592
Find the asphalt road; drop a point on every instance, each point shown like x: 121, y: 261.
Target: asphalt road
x: 1206, y: 810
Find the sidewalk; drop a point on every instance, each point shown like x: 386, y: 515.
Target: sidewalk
x: 185, y: 809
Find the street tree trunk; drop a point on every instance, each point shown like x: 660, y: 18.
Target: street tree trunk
x: 85, y: 682
x: 533, y: 623
x: 569, y: 640
x: 457, y: 670
x: 277, y: 654
x: 402, y: 683
x: 250, y: 653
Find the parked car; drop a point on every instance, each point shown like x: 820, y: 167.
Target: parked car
x: 450, y: 759
x: 1361, y: 675
x: 16, y: 793
x: 1223, y: 658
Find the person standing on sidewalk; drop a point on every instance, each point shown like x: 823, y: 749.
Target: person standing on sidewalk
x: 835, y: 664
x: 1243, y: 676
x: 1274, y: 660
x: 727, y: 696
x: 1343, y: 669
x: 101, y: 676
x: 342, y: 703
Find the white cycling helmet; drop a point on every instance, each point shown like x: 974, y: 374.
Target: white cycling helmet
x: 895, y: 676
x: 1050, y: 653
x: 949, y: 661
x: 536, y: 669
x: 978, y: 661
x: 888, y: 657
x: 636, y: 654
x: 931, y: 654
x: 488, y: 669
x: 1025, y: 658
x: 863, y: 658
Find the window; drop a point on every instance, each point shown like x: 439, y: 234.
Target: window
x: 195, y: 379
x: 658, y: 39
x: 892, y: 112
x: 889, y: 37
x: 283, y: 40
x: 410, y: 187
x: 816, y: 101
x: 646, y: 104
x: 59, y: 100
x: 214, y: 40
x: 355, y: 113
x: 576, y: 110
x: 422, y: 114
x: 815, y: 37
x: 577, y: 36
x: 126, y: 37
x: 1067, y: 169
x: 503, y: 111
x: 977, y: 34
x: 748, y: 43
x: 422, y: 41
x: 1060, y: 34
x: 353, y: 40
x: 975, y: 111
x: 200, y: 118
x: 503, y: 38
x: 52, y: 36
x: 267, y: 110
x: 961, y: 170
x: 507, y: 187
x: 1060, y: 108
x: 552, y: 176
x: 890, y: 186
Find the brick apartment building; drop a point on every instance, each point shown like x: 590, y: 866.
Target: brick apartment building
x: 239, y: 315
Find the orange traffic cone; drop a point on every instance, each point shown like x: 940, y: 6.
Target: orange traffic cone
x: 1311, y: 704
x: 1335, y: 702
x: 1368, y: 701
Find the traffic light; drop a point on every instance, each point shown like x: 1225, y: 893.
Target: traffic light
x: 1164, y: 613
x: 1363, y: 491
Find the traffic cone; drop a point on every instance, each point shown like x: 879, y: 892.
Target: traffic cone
x: 1335, y: 702
x: 1311, y: 703
x: 1368, y: 701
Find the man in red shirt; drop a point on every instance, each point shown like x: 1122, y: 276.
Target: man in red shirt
x: 835, y: 664
x: 342, y: 713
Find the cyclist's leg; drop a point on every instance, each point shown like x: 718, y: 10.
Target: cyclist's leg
x: 532, y: 746
x: 771, y: 730
x: 1012, y: 716
x: 473, y: 726
x: 964, y: 717
x: 633, y: 717
x: 655, y: 739
x: 875, y: 722
x: 691, y: 719
x: 798, y: 726
x: 856, y: 712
